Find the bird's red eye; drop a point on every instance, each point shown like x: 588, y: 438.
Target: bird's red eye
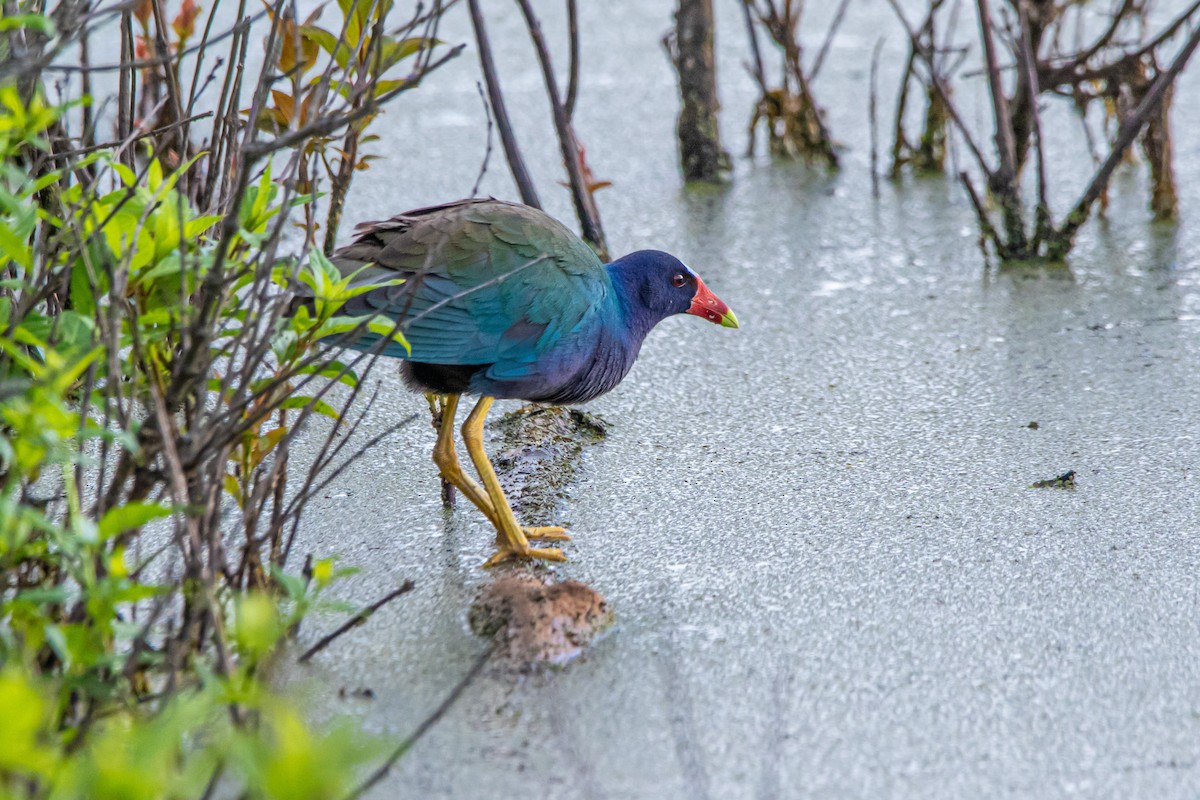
x: 677, y: 280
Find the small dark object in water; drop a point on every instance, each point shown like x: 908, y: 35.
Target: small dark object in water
x: 1033, y: 426
x: 1064, y: 481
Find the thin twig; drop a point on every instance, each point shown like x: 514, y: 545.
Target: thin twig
x: 585, y: 204
x: 330, y: 123
x: 943, y: 92
x: 1028, y: 61
x: 573, y: 68
x: 118, y: 145
x: 508, y: 139
x: 874, y: 122
x: 143, y: 63
x: 1128, y: 131
x: 358, y: 619
x: 829, y: 34
x: 406, y: 745
x: 487, y: 153
x: 760, y: 76
x: 1004, y: 133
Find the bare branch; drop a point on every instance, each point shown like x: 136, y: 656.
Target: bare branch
x: 1004, y: 134
x: 585, y: 206
x: 573, y: 69
x: 512, y: 151
x: 935, y: 80
x: 356, y: 620
x: 1128, y: 131
x: 833, y: 28
x: 407, y: 744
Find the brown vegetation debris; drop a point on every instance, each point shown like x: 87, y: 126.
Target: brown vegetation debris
x: 537, y: 620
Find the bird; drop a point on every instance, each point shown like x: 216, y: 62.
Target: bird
x: 501, y: 301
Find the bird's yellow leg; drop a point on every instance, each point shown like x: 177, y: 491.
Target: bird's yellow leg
x: 511, y: 542
x: 446, y: 458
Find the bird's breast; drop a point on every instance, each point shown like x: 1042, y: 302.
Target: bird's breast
x: 596, y: 371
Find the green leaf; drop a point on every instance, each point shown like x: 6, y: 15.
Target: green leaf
x: 326, y: 40
x: 34, y: 22
x: 75, y: 331
x: 384, y: 87
x: 83, y: 299
x: 318, y: 406
x: 393, y: 52
x: 15, y: 247
x: 44, y: 594
x: 331, y: 369
x: 129, y: 516
x: 292, y: 584
x: 128, y: 177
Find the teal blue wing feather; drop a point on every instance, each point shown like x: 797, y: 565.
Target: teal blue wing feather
x: 487, y: 282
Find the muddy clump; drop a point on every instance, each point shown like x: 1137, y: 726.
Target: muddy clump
x: 540, y: 451
x: 535, y: 620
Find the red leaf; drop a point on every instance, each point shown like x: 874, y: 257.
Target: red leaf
x: 141, y: 12
x: 185, y: 21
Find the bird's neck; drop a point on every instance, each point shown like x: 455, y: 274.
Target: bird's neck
x: 639, y: 320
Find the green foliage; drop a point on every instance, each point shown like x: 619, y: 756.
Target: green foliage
x: 152, y: 375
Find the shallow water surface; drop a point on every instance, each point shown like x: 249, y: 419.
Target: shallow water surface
x: 830, y: 576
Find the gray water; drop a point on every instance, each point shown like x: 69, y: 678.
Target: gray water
x: 830, y: 576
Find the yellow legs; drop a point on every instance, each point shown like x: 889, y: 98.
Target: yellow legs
x: 512, y: 540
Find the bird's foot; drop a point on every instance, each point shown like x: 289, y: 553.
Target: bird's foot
x: 547, y: 533
x: 506, y: 553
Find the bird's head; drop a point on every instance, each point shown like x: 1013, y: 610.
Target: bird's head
x: 663, y: 285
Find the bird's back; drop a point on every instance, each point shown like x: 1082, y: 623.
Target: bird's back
x: 498, y: 298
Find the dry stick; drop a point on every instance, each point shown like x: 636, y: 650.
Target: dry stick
x: 89, y: 124
x: 1114, y: 24
x: 760, y: 76
x: 297, y: 504
x: 901, y: 149
x: 117, y: 145
x: 424, y: 727
x: 573, y: 69
x: 323, y: 126
x: 125, y: 88
x: 935, y: 81
x: 512, y: 152
x: 358, y: 619
x: 141, y: 63
x: 204, y: 38
x: 196, y: 349
x: 1043, y: 224
x: 367, y: 447
x: 1075, y: 72
x: 1130, y: 127
x: 986, y: 229
x: 871, y: 113
x: 755, y: 69
x: 340, y: 181
x: 369, y: 70
x: 585, y: 204
x: 174, y: 91
x: 1169, y: 31
x: 226, y: 103
x: 487, y: 153
x: 1004, y: 138
x: 833, y: 28
x: 252, y: 151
